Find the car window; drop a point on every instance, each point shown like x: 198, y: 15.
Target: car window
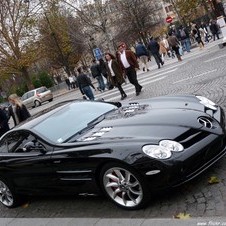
x: 17, y: 142
x: 24, y: 97
x: 42, y: 90
x: 30, y: 94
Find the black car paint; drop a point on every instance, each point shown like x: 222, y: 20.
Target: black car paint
x: 74, y: 167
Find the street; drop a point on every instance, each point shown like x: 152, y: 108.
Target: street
x: 201, y: 72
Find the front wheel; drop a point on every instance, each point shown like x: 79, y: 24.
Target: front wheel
x: 37, y: 103
x: 124, y: 186
x: 7, y: 195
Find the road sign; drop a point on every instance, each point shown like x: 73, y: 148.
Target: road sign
x: 169, y: 19
x: 97, y: 53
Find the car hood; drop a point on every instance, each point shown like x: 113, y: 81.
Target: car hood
x: 159, y: 118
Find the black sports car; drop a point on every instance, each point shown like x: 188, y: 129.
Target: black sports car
x: 126, y: 150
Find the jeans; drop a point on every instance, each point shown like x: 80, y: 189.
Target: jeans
x: 158, y: 59
x: 88, y: 92
x: 186, y: 44
x: 100, y: 81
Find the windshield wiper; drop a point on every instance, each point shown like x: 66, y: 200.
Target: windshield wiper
x: 96, y: 120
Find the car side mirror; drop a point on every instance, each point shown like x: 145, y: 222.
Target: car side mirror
x: 34, y: 146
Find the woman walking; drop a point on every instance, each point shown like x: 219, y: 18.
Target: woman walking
x: 114, y: 74
x: 17, y: 109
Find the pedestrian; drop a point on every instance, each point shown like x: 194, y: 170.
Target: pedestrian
x: 17, y: 109
x: 185, y: 38
x: 128, y: 63
x: 154, y: 47
x: 84, y: 84
x: 142, y: 55
x: 72, y: 82
x: 195, y: 32
x: 206, y: 32
x: 115, y: 75
x: 103, y: 69
x: 4, y: 125
x: 96, y: 73
x: 175, y: 45
x: 67, y: 81
x: 162, y: 49
x: 214, y: 28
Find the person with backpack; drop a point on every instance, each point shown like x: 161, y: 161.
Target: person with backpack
x: 142, y: 54
x: 185, y: 39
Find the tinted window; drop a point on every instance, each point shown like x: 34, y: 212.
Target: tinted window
x: 71, y: 119
x: 17, y: 141
x: 10, y: 141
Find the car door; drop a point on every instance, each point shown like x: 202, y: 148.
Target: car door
x: 30, y: 99
x: 25, y: 160
x: 74, y: 168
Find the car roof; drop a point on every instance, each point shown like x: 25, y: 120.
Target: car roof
x: 35, y: 89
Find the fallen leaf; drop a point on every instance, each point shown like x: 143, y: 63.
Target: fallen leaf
x: 213, y: 180
x: 182, y: 216
x: 25, y: 205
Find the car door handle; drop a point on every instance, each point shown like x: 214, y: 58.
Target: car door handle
x: 57, y: 161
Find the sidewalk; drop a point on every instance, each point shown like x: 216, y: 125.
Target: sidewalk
x: 217, y: 221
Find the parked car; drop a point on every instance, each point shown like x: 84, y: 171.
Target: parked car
x: 126, y: 150
x: 36, y: 97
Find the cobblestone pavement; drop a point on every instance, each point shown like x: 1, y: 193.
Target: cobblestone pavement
x: 200, y: 72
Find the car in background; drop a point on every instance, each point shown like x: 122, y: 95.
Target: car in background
x: 128, y: 151
x: 36, y: 97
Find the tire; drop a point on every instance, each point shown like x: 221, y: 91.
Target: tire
x: 8, y: 197
x: 37, y: 103
x: 124, y: 186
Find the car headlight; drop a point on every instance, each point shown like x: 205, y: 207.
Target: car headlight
x: 171, y: 145
x: 157, y: 152
x: 207, y: 103
x: 163, y: 150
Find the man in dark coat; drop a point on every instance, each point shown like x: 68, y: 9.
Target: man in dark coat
x: 129, y: 65
x: 142, y: 54
x: 4, y: 126
x: 214, y: 28
x: 96, y: 73
x: 153, y: 47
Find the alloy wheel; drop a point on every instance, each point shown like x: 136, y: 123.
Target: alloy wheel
x: 6, y: 196
x: 123, y: 187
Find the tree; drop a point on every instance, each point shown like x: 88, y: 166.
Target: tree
x: 17, y: 38
x: 137, y: 17
x: 188, y: 10
x: 95, y: 21
x: 61, y: 40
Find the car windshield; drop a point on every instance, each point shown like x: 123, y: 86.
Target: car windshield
x: 71, y: 119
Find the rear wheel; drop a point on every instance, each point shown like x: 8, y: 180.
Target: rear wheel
x: 124, y: 186
x: 7, y: 195
x: 37, y: 103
